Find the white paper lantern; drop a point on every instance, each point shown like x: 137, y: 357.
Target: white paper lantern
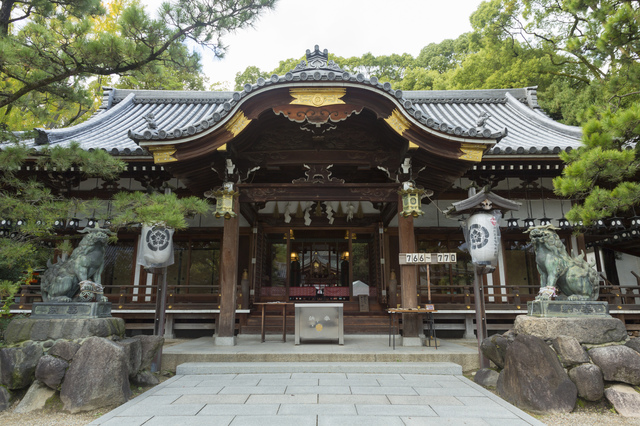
x: 156, y: 247
x: 483, y: 238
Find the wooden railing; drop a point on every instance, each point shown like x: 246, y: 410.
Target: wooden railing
x: 454, y: 297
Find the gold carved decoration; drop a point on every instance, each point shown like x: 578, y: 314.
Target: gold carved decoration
x: 237, y: 123
x: 317, y: 97
x: 472, y: 152
x: 163, y: 153
x: 398, y: 122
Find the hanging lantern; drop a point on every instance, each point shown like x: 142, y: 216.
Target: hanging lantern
x: 615, y: 224
x: 545, y: 221
x: 5, y: 223
x: 482, y: 234
x: 529, y: 222
x: 59, y: 224
x: 512, y: 224
x: 564, y: 224
x: 599, y: 225
x: 635, y: 222
x: 411, y: 200
x: 73, y: 223
x: 20, y: 222
x: 224, y: 200
x: 92, y: 222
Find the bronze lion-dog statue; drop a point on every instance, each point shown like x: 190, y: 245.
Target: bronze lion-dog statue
x: 61, y: 281
x: 573, y: 276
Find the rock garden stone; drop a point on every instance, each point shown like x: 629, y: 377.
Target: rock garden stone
x: 133, y: 351
x: 5, y: 398
x: 618, y: 363
x: 97, y: 377
x: 569, y: 351
x: 589, y: 330
x: 495, y: 347
x: 624, y: 399
x: 18, y: 365
x: 634, y: 344
x: 64, y: 349
x: 35, y: 398
x: 486, y: 377
x: 145, y: 378
x: 150, y: 347
x: 542, y: 386
x: 51, y: 370
x: 588, y: 380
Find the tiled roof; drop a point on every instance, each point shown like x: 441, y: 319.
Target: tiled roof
x: 514, y: 117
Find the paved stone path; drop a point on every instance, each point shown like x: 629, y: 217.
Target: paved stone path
x: 317, y: 399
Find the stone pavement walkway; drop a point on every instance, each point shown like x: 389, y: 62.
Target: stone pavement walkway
x: 371, y: 396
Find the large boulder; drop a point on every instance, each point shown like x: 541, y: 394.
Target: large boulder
x: 35, y: 398
x: 64, y: 349
x: 133, y: 351
x: 588, y: 380
x: 97, y: 377
x: 534, y: 379
x: 569, y: 351
x: 150, y: 347
x: 486, y: 377
x: 495, y: 347
x: 618, y: 363
x: 624, y: 399
x: 51, y: 370
x: 589, y: 330
x: 18, y: 365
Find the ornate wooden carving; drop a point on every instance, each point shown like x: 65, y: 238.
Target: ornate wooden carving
x: 318, y: 173
x: 317, y: 115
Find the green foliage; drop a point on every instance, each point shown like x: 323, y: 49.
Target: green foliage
x: 23, y: 197
x: 156, y: 209
x: 52, y: 52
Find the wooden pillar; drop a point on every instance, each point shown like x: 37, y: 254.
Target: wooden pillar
x: 229, y: 274
x: 412, y: 324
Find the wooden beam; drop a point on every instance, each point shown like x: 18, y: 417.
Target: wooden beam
x: 378, y: 192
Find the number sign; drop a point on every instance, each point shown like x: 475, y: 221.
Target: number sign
x: 427, y: 258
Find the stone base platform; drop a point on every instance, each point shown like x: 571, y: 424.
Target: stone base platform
x: 40, y: 330
x: 567, y: 308
x: 63, y: 310
x: 592, y: 330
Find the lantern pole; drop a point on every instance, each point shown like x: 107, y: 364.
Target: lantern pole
x: 481, y: 320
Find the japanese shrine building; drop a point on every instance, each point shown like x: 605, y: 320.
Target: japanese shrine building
x: 318, y: 157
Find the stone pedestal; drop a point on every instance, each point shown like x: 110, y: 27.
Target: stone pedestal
x: 71, y: 310
x: 592, y: 330
x: 40, y: 330
x: 566, y: 308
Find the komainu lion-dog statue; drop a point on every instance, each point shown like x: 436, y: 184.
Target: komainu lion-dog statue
x: 61, y: 282
x: 573, y: 276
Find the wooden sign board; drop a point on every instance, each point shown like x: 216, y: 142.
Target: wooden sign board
x: 430, y: 307
x: 427, y: 258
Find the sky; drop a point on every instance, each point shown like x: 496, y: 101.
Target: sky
x: 343, y: 27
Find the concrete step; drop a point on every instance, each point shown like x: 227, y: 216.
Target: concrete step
x: 442, y: 368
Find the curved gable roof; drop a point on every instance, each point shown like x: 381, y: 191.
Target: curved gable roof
x: 126, y: 116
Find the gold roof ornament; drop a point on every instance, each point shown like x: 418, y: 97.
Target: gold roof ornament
x: 317, y: 97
